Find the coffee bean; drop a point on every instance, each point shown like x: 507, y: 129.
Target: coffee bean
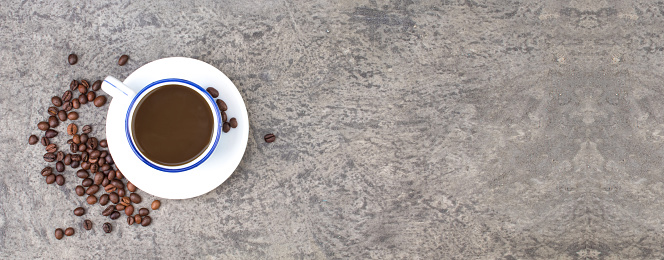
x: 92, y: 143
x: 123, y: 60
x: 76, y: 139
x: 84, y: 136
x: 45, y: 141
x: 222, y: 105
x: 226, y: 127
x: 59, y: 234
x: 110, y: 188
x: 68, y: 107
x: 85, y: 156
x: 62, y: 115
x: 91, y: 200
x: 95, y: 154
x: 75, y: 164
x: 32, y: 140
x: 82, y: 174
x: 111, y: 175
x: 67, y: 96
x: 146, y: 221
x: 125, y: 201
x: 269, y: 138
x: 130, y: 220
x: 67, y: 159
x: 99, y: 177
x: 105, y: 182
x: 115, y: 215
x: 73, y: 85
x: 87, y: 224
x: 96, y: 85
x: 224, y: 117
x: 103, y: 143
x: 92, y: 189
x: 107, y: 212
x: 143, y: 212
x: 80, y: 211
x: 43, y: 126
x: 52, y: 111
x: 69, y: 231
x: 135, y: 198
x: 72, y: 129
x: 100, y: 101
x: 91, y: 96
x: 94, y: 168
x: 72, y: 59
x: 46, y: 171
x: 50, y: 179
x: 131, y: 187
x: 83, y: 99
x: 60, y: 156
x: 109, y: 160
x: 129, y: 210
x: 107, y: 227
x: 121, y: 192
x: 73, y: 148
x: 104, y: 167
x: 85, y: 83
x: 76, y: 157
x: 233, y: 122
x: 50, y: 133
x: 60, y: 167
x: 85, y: 165
x: 53, y: 122
x: 49, y: 157
x: 103, y: 199
x: 213, y: 92
x: 72, y: 116
x: 155, y: 204
x: 51, y: 148
x: 56, y: 101
x: 80, y: 191
x: 76, y: 104
x: 59, y: 179
x: 138, y: 219
x: 114, y: 197
x: 118, y: 174
x: 118, y: 184
x: 82, y: 147
x: 87, y: 182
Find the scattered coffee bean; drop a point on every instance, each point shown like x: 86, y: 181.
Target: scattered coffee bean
x: 129, y: 210
x: 67, y: 96
x: 91, y: 96
x: 110, y: 188
x: 72, y: 116
x: 125, y: 201
x: 45, y: 141
x: 68, y: 107
x: 146, y: 221
x: 120, y: 206
x: 82, y: 174
x: 155, y: 204
x: 107, y: 212
x: 69, y: 231
x: 111, y: 175
x: 100, y: 101
x: 269, y: 138
x: 91, y: 199
x: 233, y: 122
x: 43, y: 126
x: 56, y: 101
x: 115, y: 215
x: 138, y: 219
x: 72, y: 59
x: 51, y: 148
x: 72, y: 129
x: 84, y: 136
x: 105, y: 182
x: 46, y: 171
x: 49, y: 157
x: 76, y: 157
x: 92, y: 189
x: 75, y: 164
x: 87, y: 224
x: 50, y: 179
x: 143, y: 212
x: 114, y: 197
x: 87, y: 182
x: 85, y: 165
x: 82, y: 147
x: 73, y: 85
x: 67, y: 159
x: 80, y: 191
x: 130, y: 220
x: 213, y: 92
x: 224, y: 117
x: 107, y: 227
x: 53, y: 122
x: 76, y: 104
x: 121, y: 192
x: 123, y: 60
x: 60, y: 180
x: 59, y: 234
x: 94, y: 168
x: 109, y: 160
x: 80, y: 211
x: 135, y: 198
x: 73, y: 148
x: 118, y: 174
x: 60, y: 156
x: 62, y: 115
x: 32, y: 140
x: 92, y: 143
x: 222, y: 105
x: 99, y: 177
x: 76, y: 139
x: 52, y: 111
x: 86, y: 130
x: 83, y: 99
x: 85, y: 84
x: 131, y: 187
x: 96, y: 85
x: 95, y: 154
x: 85, y: 156
x: 117, y: 183
x: 103, y: 199
x: 60, y: 167
x: 226, y: 127
x: 50, y: 133
x: 103, y: 143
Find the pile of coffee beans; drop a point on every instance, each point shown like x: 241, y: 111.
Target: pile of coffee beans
x: 227, y: 124
x: 86, y: 155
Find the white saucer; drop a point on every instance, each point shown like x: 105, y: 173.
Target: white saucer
x: 207, y: 176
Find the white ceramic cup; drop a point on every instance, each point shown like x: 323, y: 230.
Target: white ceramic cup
x: 118, y: 90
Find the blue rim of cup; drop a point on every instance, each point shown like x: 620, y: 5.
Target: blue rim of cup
x: 145, y: 160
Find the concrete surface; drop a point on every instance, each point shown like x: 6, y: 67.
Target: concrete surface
x: 406, y: 129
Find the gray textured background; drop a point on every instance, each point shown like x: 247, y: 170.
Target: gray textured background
x: 406, y: 129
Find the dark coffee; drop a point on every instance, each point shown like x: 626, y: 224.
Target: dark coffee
x: 172, y: 125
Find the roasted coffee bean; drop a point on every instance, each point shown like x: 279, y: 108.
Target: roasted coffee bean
x: 131, y: 187
x: 111, y: 175
x: 69, y: 231
x: 226, y: 127
x: 70, y: 141
x: 80, y: 211
x: 222, y: 105
x: 233, y: 122
x: 60, y: 167
x: 67, y: 159
x: 72, y: 59
x: 269, y: 138
x: 130, y: 220
x: 85, y: 165
x: 49, y: 157
x: 94, y: 168
x: 92, y: 143
x: 104, y: 167
x: 50, y: 179
x: 120, y: 206
x: 118, y: 184
x: 84, y: 136
x: 95, y: 154
x: 56, y: 101
x: 73, y: 148
x: 45, y: 141
x: 72, y: 116
x: 100, y: 101
x: 155, y: 204
x: 59, y: 234
x: 92, y: 189
x: 135, y: 198
x: 46, y: 171
x: 125, y: 201
x: 67, y: 96
x: 75, y: 164
x: 108, y: 211
x: 123, y: 60
x: 50, y: 133
x: 143, y: 212
x: 87, y: 182
x: 82, y: 174
x: 82, y: 89
x: 103, y: 199
x: 99, y: 177
x: 213, y: 92
x: 60, y: 156
x: 110, y: 188
x: 83, y: 99
x: 85, y: 83
x: 118, y: 175
x: 103, y: 143
x: 114, y: 197
x: 43, y: 126
x: 91, y: 96
x: 146, y: 221
x: 91, y: 200
x: 85, y: 156
x: 73, y: 84
x: 32, y: 140
x: 80, y: 191
x: 107, y: 227
x: 53, y: 111
x: 72, y: 129
x: 62, y: 115
x: 76, y: 139
x: 96, y: 85
x: 68, y: 106
x: 59, y: 179
x: 115, y: 215
x: 103, y: 153
x: 76, y: 104
x: 224, y: 117
x: 105, y: 182
x: 82, y: 147
x: 53, y: 121
x: 129, y: 210
x: 76, y: 157
x: 121, y: 192
x: 87, y: 224
x: 109, y: 160
x: 137, y: 219
x: 51, y: 148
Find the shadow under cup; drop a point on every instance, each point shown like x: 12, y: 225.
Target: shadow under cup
x: 173, y: 125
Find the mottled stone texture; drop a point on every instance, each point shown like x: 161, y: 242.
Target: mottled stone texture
x: 406, y: 129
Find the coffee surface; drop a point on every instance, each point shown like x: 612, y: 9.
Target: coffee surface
x: 172, y: 125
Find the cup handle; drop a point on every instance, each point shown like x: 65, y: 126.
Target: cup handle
x: 117, y: 89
